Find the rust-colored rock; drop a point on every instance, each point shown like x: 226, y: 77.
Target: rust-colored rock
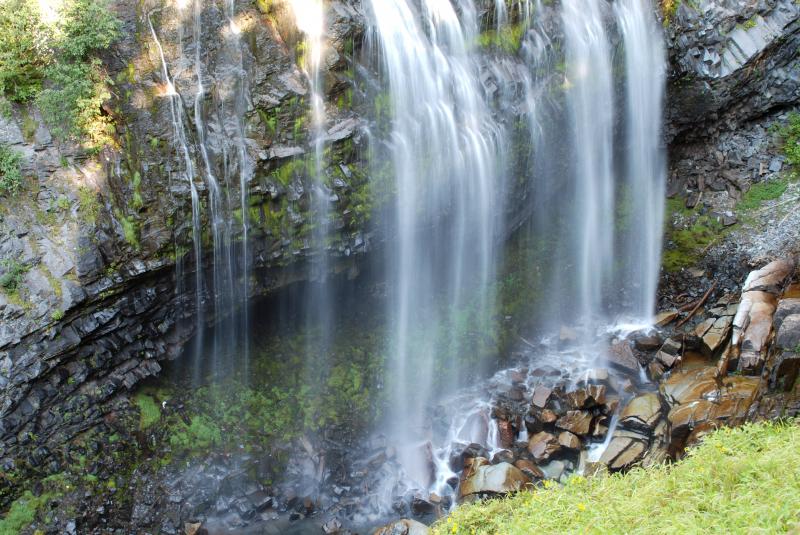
x: 506, y: 433
x: 530, y: 468
x: 569, y: 441
x: 543, y: 445
x: 541, y: 395
x: 641, y: 413
x: 577, y: 422
x: 772, y: 278
x: 665, y: 318
x: 494, y: 479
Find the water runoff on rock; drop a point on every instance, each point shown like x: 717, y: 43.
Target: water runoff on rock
x: 213, y: 161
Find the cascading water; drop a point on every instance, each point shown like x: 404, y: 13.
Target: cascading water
x: 182, y: 146
x: 590, y: 98
x: 200, y: 162
x: 644, y: 158
x: 444, y: 148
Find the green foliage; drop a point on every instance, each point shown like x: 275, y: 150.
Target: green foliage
x: 88, y: 206
x: 737, y: 481
x: 149, y: 412
x: 507, y: 39
x: 57, y: 315
x: 23, y: 49
x: 688, y: 244
x: 10, y: 170
x: 762, y: 192
x: 13, y: 275
x: 56, y: 65
x: 791, y: 139
x: 22, y: 513
x: 200, y: 435
x: 129, y: 230
x: 87, y: 26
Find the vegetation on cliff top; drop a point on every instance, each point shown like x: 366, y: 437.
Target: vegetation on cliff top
x: 55, y: 64
x: 737, y: 480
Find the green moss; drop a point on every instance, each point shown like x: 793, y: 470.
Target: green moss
x: 130, y: 230
x: 10, y: 170
x: 689, y: 244
x: 791, y: 139
x: 762, y: 192
x: 200, y: 435
x: 735, y: 480
x: 22, y: 513
x: 149, y: 412
x: 507, y: 39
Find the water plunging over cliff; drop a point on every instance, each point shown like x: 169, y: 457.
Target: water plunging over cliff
x: 445, y: 151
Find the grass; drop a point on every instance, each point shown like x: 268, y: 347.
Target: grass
x: 149, y: 413
x: 507, y: 39
x: 688, y: 244
x: 22, y: 513
x: 739, y: 480
x: 762, y: 192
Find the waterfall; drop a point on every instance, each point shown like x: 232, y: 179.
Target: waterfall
x: 590, y: 98
x: 182, y: 146
x: 644, y: 163
x: 200, y: 163
x: 444, y: 148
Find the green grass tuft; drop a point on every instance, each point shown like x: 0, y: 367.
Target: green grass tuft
x: 762, y: 192
x: 739, y: 480
x: 149, y: 413
x: 22, y: 513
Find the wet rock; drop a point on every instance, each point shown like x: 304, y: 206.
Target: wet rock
x: 541, y: 395
x: 506, y: 433
x: 192, y: 528
x: 786, y: 307
x: 624, y: 451
x: 576, y: 422
x: 406, y: 526
x: 460, y: 453
x: 714, y: 338
x: 543, y: 445
x: 586, y: 397
x: 665, y: 318
x: 594, y: 376
x: 569, y: 441
x: 648, y: 342
x: 620, y: 355
x: 789, y: 333
x: 494, y: 479
x: 530, y: 468
x: 772, y: 278
x: 503, y: 456
x: 420, y: 506
x: 641, y: 413
x: 784, y: 368
x: 701, y: 403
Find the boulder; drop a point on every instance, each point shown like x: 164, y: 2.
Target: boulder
x: 530, y: 468
x: 641, y: 413
x: 786, y: 307
x: 586, y: 397
x: 577, y: 422
x: 772, y: 278
x: 543, y: 445
x: 569, y: 441
x: 541, y: 395
x: 665, y: 318
x: 405, y: 526
x: 494, y: 479
x: 788, y: 337
x: 784, y: 368
x: 752, y: 329
x: 715, y: 336
x: 620, y: 355
x: 624, y: 450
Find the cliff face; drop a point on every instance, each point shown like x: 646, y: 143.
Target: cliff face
x: 96, y: 242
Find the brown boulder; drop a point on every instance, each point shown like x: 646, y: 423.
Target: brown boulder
x: 499, y: 478
x: 577, y: 422
x: 530, y: 468
x: 569, y: 441
x: 624, y: 450
x: 641, y: 413
x: 541, y: 395
x: 772, y: 278
x: 620, y: 355
x: 543, y: 445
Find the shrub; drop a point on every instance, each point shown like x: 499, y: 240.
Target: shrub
x: 23, y: 49
x: 791, y: 139
x: 14, y: 271
x: 10, y: 170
